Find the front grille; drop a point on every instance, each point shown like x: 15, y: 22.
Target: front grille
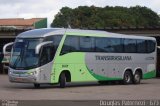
x: 18, y: 72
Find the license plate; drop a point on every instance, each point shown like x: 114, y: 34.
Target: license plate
x: 18, y: 79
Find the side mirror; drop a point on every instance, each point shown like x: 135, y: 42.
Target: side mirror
x: 5, y: 47
x: 6, y: 54
x: 39, y: 46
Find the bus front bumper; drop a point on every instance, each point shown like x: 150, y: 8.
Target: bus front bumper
x: 22, y: 76
x: 22, y: 79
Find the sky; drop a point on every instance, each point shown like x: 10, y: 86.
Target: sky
x: 48, y: 8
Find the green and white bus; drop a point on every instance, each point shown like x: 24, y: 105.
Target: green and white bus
x: 60, y: 55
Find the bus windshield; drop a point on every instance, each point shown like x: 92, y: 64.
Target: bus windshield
x: 23, y: 54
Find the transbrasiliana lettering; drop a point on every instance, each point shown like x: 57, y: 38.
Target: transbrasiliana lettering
x: 106, y: 58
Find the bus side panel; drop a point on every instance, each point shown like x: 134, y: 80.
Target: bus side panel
x: 88, y: 67
x: 58, y: 68
x: 75, y: 64
x: 111, y: 66
x: 151, y: 66
x: 106, y: 66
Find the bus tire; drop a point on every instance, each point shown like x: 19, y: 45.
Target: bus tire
x: 62, y: 80
x: 37, y: 85
x: 137, y: 77
x: 127, y: 79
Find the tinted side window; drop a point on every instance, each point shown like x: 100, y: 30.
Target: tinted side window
x: 86, y: 44
x: 101, y: 44
x: 141, y: 46
x: 55, y: 38
x: 115, y: 45
x: 129, y: 45
x: 111, y: 45
x: 71, y: 44
x: 47, y: 55
x: 150, y: 46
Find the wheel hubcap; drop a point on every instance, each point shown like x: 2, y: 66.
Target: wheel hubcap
x: 137, y: 77
x: 127, y: 78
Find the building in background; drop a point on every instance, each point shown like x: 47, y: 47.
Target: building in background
x: 21, y: 23
x: 11, y: 27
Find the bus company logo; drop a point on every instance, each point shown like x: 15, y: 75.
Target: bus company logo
x: 118, y: 58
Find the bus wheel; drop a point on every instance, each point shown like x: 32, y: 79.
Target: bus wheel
x: 137, y: 78
x: 36, y: 85
x: 62, y: 80
x: 127, y: 79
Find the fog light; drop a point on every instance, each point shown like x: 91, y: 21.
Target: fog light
x: 33, y: 73
x: 10, y: 72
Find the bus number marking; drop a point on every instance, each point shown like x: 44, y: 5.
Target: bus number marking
x: 64, y: 66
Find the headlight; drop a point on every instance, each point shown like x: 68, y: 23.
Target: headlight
x: 33, y: 73
x: 10, y: 72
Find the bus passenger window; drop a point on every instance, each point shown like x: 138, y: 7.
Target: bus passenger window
x: 100, y: 44
x: 129, y: 45
x: 141, y: 46
x: 109, y: 45
x: 86, y: 44
x: 150, y: 46
x: 71, y: 44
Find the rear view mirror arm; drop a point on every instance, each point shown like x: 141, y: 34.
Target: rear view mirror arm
x: 38, y: 47
x: 6, y: 45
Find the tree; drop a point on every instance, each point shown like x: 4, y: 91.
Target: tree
x: 92, y: 17
x: 62, y: 18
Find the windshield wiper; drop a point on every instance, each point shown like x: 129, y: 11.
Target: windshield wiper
x: 18, y: 58
x: 16, y: 61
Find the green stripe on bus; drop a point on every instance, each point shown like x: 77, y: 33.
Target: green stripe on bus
x: 150, y: 74
x: 99, y: 77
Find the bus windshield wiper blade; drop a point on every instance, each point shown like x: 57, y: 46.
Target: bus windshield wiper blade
x: 18, y: 58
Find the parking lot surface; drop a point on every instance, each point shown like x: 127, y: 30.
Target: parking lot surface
x: 148, y: 89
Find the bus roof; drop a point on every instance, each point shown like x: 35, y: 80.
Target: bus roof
x: 39, y: 33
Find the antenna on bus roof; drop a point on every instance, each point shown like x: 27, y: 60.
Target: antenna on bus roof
x: 69, y: 26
